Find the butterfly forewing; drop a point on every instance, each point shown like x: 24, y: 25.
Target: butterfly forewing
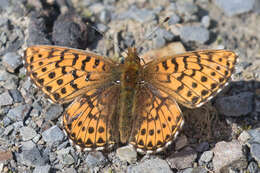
x: 65, y: 73
x: 192, y: 78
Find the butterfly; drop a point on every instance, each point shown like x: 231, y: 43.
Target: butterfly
x: 126, y: 102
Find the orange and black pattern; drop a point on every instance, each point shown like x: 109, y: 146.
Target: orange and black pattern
x: 126, y: 102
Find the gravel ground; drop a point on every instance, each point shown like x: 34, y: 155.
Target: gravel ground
x: 221, y: 136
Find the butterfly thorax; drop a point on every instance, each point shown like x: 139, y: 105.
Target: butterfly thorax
x: 131, y: 72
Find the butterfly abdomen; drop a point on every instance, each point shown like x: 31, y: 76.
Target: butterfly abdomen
x: 130, y: 74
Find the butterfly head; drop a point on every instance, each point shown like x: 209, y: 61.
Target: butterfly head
x: 132, y: 55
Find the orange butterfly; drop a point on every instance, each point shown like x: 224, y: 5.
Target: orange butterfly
x: 126, y: 102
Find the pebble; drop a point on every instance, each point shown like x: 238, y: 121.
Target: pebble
x: 186, y: 7
x: 206, y: 157
x: 139, y: 15
x: 12, y: 61
x: 195, y: 170
x: 101, y: 27
x: 194, y: 33
x: 70, y: 170
x: 65, y: 157
x: 204, y: 146
x: 105, y: 16
x: 54, y: 111
x: 244, y: 137
x: 7, y: 80
x: 69, y: 31
x: 27, y: 145
x: 53, y: 135
x: 255, y: 151
x: 27, y: 133
x: 95, y: 159
x: 231, y: 7
x: 4, y: 22
x: 174, y: 19
x: 183, y: 159
x: 8, y: 130
x: 205, y: 20
x: 226, y: 153
x: 152, y: 165
x: 127, y: 153
x: 37, y: 29
x: 18, y: 112
x: 4, y: 4
x: 31, y: 157
x: 6, y: 121
x: 237, y: 105
x: 5, y: 99
x: 181, y: 142
x: 16, y: 95
x: 42, y: 169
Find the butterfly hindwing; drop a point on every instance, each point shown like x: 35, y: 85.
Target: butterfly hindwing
x: 88, y: 121
x: 158, y: 120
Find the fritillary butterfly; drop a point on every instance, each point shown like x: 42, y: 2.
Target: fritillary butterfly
x: 126, y: 102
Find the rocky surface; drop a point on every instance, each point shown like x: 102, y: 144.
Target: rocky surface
x: 224, y: 137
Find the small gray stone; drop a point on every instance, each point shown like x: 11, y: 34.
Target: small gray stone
x: 53, y: 135
x: 16, y: 95
x: 28, y: 145
x: 206, y: 157
x: 163, y: 33
x: 105, y: 16
x: 36, y: 138
x: 205, y: 21
x: 42, y: 169
x: 18, y: 112
x: 182, y: 159
x: 12, y: 61
x: 101, y: 27
x: 4, y: 4
x: 4, y: 21
x: 255, y: 151
x: 6, y: 121
x: 255, y: 135
x: 8, y: 130
x: 65, y: 157
x: 159, y: 42
x: 195, y: 170
x: 95, y: 159
x: 54, y: 111
x: 232, y: 7
x: 139, y: 15
x: 237, y: 105
x: 204, y: 146
x: 174, y: 18
x: 31, y: 157
x: 70, y: 170
x: 244, y: 137
x: 152, y: 165
x: 27, y: 133
x: 226, y: 153
x: 194, y: 33
x: 127, y: 153
x: 5, y: 99
x: 186, y: 7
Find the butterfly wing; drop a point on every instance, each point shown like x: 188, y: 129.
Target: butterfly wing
x: 192, y: 78
x: 90, y: 120
x: 158, y: 120
x: 65, y: 73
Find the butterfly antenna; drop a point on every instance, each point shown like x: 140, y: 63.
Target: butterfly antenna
x: 153, y: 31
x: 117, y: 48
